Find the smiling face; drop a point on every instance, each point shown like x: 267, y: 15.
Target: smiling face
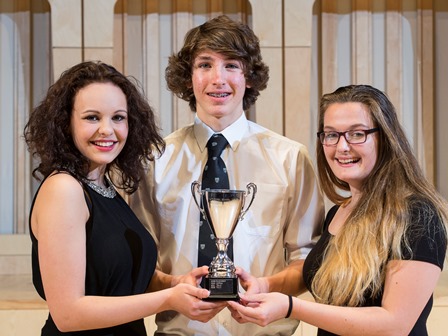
x: 219, y: 86
x: 99, y: 123
x: 351, y: 163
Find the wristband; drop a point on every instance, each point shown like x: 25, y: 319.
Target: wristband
x: 288, y: 314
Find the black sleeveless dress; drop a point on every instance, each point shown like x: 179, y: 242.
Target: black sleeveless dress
x: 121, y: 258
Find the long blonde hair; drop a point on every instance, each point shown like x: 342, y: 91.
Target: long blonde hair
x: 355, y: 260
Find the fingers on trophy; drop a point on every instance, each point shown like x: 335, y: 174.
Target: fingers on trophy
x: 223, y: 209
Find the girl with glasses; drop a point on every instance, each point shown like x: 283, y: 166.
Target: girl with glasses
x: 375, y: 267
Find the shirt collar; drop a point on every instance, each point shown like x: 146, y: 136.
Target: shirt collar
x: 233, y: 133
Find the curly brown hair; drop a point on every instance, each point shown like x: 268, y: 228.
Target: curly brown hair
x: 222, y: 35
x: 48, y: 135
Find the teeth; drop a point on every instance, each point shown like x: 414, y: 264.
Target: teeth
x: 218, y: 95
x: 104, y: 144
x: 347, y: 161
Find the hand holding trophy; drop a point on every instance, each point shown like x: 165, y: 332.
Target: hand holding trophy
x: 223, y: 208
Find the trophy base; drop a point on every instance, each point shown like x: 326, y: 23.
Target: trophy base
x: 221, y: 289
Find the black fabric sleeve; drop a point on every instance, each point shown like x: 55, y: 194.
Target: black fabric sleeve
x: 426, y: 236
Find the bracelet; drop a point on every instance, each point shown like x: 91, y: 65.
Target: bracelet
x: 288, y: 314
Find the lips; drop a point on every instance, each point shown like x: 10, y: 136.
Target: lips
x: 347, y: 161
x: 104, y: 143
x: 219, y: 95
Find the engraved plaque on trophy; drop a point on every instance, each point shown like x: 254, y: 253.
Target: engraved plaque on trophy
x: 223, y: 208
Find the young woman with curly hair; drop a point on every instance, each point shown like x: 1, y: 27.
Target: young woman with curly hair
x: 92, y: 259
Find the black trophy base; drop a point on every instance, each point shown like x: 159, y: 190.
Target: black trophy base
x: 221, y: 289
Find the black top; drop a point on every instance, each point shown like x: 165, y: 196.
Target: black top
x: 121, y: 257
x: 430, y: 246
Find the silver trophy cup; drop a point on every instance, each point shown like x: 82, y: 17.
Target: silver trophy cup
x: 223, y: 208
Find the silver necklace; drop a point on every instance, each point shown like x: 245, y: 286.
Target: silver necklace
x: 108, y: 192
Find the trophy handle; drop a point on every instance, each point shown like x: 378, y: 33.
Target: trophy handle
x: 194, y: 190
x: 249, y: 187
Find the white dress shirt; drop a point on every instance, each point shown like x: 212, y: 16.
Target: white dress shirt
x: 280, y: 227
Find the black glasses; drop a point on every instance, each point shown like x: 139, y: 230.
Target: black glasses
x: 331, y: 138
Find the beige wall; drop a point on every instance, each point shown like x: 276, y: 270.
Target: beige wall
x: 311, y: 47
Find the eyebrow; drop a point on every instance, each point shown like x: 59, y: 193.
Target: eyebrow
x: 351, y: 127
x: 202, y: 58
x: 208, y: 58
x: 99, y: 112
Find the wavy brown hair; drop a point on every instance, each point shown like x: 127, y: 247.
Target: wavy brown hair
x: 49, y: 137
x: 222, y: 35
x: 375, y: 232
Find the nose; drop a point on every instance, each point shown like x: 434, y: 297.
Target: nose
x: 106, y: 127
x: 218, y: 76
x: 342, y: 145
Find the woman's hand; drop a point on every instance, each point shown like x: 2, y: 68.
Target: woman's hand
x: 260, y: 309
x: 187, y: 300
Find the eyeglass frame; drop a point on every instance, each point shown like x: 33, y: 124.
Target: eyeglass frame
x: 366, y: 133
